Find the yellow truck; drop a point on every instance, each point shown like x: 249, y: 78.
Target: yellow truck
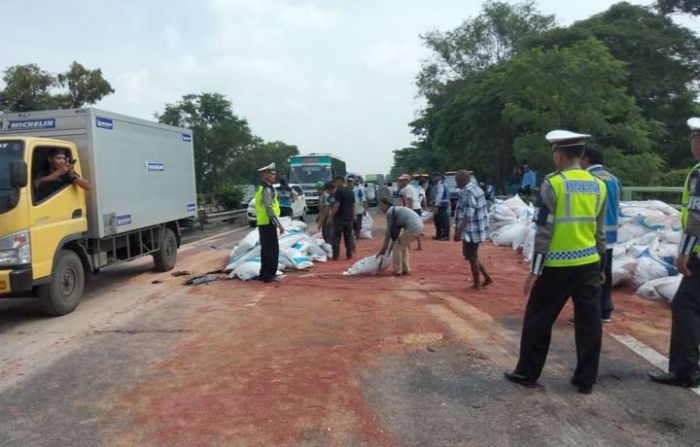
x: 141, y: 191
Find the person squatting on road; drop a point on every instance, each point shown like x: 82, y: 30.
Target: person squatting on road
x: 685, y: 308
x: 569, y: 252
x: 402, y: 226
x: 440, y: 202
x: 470, y: 225
x: 267, y: 207
x: 342, y: 215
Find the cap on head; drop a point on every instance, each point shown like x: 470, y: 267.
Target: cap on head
x: 436, y: 174
x: 694, y: 124
x: 565, y: 138
x: 320, y: 185
x: 268, y: 168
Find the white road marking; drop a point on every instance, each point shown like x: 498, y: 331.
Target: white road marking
x: 650, y: 355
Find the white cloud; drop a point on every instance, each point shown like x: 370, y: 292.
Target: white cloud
x: 332, y: 76
x: 171, y: 36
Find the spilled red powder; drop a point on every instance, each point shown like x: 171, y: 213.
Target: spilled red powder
x: 279, y: 364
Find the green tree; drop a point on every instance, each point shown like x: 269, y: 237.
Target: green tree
x: 261, y: 154
x: 220, y: 137
x: 662, y: 64
x: 581, y: 87
x: 28, y: 88
x: 461, y: 127
x: 228, y: 195
x: 489, y: 38
x: 671, y: 6
x: 84, y: 86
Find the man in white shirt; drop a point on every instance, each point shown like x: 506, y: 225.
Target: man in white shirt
x: 409, y: 198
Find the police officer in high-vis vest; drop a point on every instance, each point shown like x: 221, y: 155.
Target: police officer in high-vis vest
x: 685, y: 309
x: 569, y: 252
x: 267, y: 208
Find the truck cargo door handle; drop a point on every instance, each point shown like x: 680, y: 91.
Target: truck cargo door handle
x: 77, y: 214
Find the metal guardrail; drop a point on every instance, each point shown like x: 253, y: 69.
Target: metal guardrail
x: 628, y: 192
x: 205, y: 217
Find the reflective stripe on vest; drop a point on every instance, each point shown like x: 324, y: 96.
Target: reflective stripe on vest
x: 261, y: 213
x: 690, y: 203
x: 579, y: 199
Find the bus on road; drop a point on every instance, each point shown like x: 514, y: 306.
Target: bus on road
x: 306, y: 170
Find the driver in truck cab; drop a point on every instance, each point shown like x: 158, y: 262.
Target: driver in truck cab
x: 60, y: 173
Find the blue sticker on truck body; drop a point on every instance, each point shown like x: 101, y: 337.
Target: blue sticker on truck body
x: 123, y: 220
x: 157, y: 167
x: 104, y: 123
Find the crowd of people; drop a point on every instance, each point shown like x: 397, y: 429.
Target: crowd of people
x: 577, y: 207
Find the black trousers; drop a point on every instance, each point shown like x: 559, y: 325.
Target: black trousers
x: 357, y: 223
x: 606, y: 304
x: 441, y: 218
x: 269, y: 251
x: 549, y: 295
x: 286, y: 211
x: 685, y: 329
x: 343, y: 230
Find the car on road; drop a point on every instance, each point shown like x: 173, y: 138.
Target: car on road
x: 299, y: 207
x: 372, y: 194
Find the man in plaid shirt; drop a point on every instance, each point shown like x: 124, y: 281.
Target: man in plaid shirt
x: 471, y: 222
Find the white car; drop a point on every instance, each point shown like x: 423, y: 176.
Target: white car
x: 298, y: 206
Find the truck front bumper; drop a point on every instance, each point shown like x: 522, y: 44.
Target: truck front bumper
x: 16, y: 281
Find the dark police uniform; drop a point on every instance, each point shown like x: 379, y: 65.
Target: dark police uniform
x: 685, y: 309
x: 267, y: 210
x: 569, y: 248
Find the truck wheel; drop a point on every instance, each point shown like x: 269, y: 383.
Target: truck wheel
x: 62, y: 295
x: 167, y: 255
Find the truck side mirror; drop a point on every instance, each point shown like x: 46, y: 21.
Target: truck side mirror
x: 18, y: 174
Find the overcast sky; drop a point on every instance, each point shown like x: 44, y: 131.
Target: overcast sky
x: 329, y: 76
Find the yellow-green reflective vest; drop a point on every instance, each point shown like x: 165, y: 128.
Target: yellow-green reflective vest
x: 689, y: 203
x: 580, y: 196
x: 260, y: 211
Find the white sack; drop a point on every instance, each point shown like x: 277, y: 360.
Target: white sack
x: 365, y: 266
x: 630, y: 231
x: 623, y: 269
x: 506, y: 235
x: 366, y: 228
x: 521, y: 237
x: 649, y: 268
x: 668, y: 287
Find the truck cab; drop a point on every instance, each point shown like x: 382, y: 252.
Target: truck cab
x: 55, y: 234
x: 33, y: 226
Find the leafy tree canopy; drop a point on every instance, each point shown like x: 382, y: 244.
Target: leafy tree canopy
x: 29, y: 87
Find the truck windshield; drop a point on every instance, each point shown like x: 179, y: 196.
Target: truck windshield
x: 310, y: 174
x: 9, y: 151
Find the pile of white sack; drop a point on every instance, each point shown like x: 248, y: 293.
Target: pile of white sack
x: 298, y: 251
x: 645, y: 255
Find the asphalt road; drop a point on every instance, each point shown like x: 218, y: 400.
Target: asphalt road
x: 320, y: 359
